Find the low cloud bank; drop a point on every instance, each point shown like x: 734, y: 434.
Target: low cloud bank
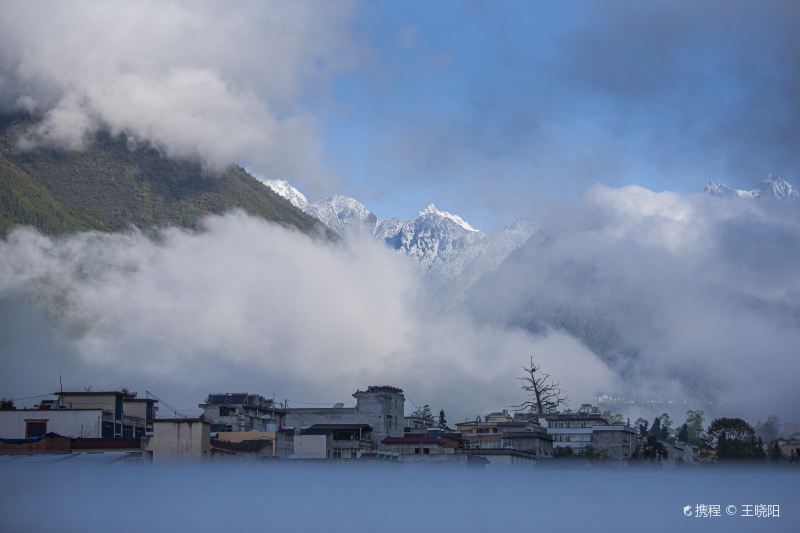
x: 684, y: 296
x: 248, y: 305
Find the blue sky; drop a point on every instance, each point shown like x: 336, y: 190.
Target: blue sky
x: 496, y: 109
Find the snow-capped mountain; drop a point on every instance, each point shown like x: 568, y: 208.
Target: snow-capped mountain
x: 770, y: 187
x: 434, y: 238
x: 343, y: 214
x: 284, y: 188
x: 449, y: 249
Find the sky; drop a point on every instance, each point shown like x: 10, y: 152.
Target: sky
x: 491, y: 110
x: 494, y: 109
x: 596, y: 120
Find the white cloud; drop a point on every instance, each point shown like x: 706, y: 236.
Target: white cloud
x: 250, y: 305
x: 212, y: 80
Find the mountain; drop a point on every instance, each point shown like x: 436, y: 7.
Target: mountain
x: 770, y: 187
x: 446, y: 247
x: 112, y: 184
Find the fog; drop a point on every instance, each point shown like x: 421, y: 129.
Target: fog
x: 686, y: 297
x: 371, y: 497
x: 249, y: 305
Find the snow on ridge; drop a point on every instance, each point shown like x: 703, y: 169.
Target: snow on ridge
x: 431, y: 209
x: 284, y: 189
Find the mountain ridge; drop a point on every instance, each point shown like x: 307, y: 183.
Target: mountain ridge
x: 111, y: 185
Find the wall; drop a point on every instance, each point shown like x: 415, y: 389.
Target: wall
x: 180, y: 439
x: 619, y: 442
x: 310, y: 447
x: 383, y: 411
x: 68, y: 423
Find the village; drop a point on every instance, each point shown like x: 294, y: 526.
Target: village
x: 121, y: 426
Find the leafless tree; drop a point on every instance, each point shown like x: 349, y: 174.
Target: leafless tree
x: 545, y: 395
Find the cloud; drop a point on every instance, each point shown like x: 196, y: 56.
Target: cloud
x: 200, y: 80
x: 684, y: 296
x: 247, y: 305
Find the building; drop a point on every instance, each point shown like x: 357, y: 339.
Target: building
x: 232, y: 412
x: 500, y: 431
x: 180, y: 438
x: 680, y: 452
x: 424, y: 447
x: 416, y: 424
x: 110, y: 414
x: 588, y: 429
x: 379, y: 407
x: 281, y: 442
x: 341, y: 441
x: 616, y: 442
x: 790, y: 448
x: 61, y: 449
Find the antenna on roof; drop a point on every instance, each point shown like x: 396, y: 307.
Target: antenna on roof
x: 60, y: 385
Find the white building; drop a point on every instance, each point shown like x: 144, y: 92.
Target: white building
x: 180, y: 438
x: 30, y: 423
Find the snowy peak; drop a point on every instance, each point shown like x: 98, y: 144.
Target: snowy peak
x: 432, y: 210
x: 284, y: 189
x: 780, y: 188
x: 770, y: 187
x: 342, y: 214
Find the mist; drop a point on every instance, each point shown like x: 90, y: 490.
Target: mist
x: 686, y: 297
x: 248, y: 305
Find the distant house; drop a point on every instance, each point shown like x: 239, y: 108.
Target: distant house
x: 333, y: 441
x: 423, y: 447
x: 281, y: 442
x: 66, y: 449
x: 790, y: 448
x: 680, y: 452
x: 108, y: 414
x: 500, y: 431
x: 180, y: 438
x: 589, y: 429
x: 241, y: 411
x: 381, y: 407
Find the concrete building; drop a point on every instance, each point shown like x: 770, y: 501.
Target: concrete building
x: 380, y: 407
x: 421, y: 447
x: 110, y: 414
x: 572, y: 429
x: 107, y: 450
x: 680, y: 453
x: 231, y: 412
x: 589, y: 429
x: 180, y: 438
x: 500, y: 431
x: 416, y: 424
x: 281, y: 442
x: 32, y: 423
x: 310, y: 447
x: 617, y: 442
x: 790, y: 448
x: 342, y: 441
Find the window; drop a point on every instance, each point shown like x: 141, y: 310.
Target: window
x: 416, y: 451
x: 35, y: 428
x: 426, y: 451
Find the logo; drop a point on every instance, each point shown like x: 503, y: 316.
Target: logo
x: 687, y: 510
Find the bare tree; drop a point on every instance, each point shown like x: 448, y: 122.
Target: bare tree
x: 545, y: 395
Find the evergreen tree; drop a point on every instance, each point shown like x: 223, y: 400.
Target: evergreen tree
x: 655, y: 429
x: 442, y: 419
x: 775, y: 452
x: 683, y: 434
x: 735, y: 439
